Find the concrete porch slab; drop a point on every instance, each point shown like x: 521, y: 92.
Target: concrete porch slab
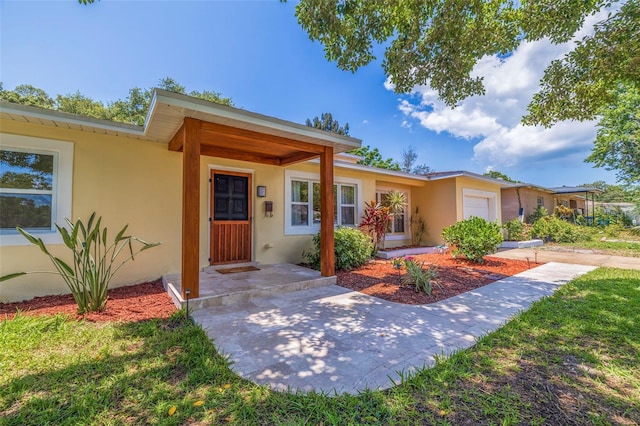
x: 218, y: 289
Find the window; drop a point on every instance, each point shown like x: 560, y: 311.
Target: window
x: 302, y: 192
x: 398, y: 225
x: 540, y: 202
x: 35, y: 187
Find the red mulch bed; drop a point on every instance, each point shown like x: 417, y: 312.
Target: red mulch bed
x: 377, y: 278
x: 455, y: 276
x: 130, y: 303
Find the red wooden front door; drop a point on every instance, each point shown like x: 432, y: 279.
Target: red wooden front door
x: 230, y: 217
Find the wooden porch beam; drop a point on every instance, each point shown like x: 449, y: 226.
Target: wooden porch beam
x: 221, y: 131
x: 297, y: 158
x: 327, y: 260
x: 239, y: 155
x: 191, y: 209
x: 177, y: 141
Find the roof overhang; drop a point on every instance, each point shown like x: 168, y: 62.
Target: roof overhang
x: 238, y: 134
x: 225, y: 131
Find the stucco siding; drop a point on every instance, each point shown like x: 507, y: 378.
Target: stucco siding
x: 126, y: 182
x: 438, y: 207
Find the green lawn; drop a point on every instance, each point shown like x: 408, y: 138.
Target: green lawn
x: 572, y: 358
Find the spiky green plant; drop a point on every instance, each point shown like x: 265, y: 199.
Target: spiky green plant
x: 94, y: 260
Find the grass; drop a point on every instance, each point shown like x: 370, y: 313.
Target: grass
x: 572, y: 358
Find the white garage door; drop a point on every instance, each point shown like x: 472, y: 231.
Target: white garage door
x: 476, y: 206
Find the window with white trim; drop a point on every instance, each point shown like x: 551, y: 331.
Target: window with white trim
x: 302, y: 213
x: 398, y: 226
x: 35, y: 187
x: 540, y: 202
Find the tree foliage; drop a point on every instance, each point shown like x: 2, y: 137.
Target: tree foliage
x: 409, y: 158
x: 617, y: 145
x: 439, y: 43
x: 498, y: 175
x: 328, y: 124
x: 133, y: 109
x: 373, y: 158
x: 615, y: 193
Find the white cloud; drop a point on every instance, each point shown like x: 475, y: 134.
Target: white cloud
x: 365, y: 121
x: 494, y: 119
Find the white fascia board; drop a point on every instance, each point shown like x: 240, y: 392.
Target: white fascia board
x: 65, y: 117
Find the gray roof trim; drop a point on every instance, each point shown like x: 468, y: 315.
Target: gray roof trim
x: 459, y: 173
x: 575, y: 189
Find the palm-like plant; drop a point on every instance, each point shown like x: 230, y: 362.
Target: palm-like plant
x: 94, y: 260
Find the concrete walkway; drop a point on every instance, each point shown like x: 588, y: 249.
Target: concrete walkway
x: 332, y: 339
x: 581, y: 257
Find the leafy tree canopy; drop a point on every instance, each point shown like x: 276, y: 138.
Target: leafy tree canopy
x: 133, y: 109
x: 328, y: 124
x: 373, y: 158
x: 439, y: 42
x: 615, y: 193
x: 617, y: 145
x: 497, y: 175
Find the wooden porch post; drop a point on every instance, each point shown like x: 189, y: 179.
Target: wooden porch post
x: 327, y: 261
x: 191, y: 209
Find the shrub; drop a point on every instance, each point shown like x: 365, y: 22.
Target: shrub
x: 538, y: 213
x: 378, y: 216
x: 516, y: 230
x: 94, y: 260
x: 613, y: 230
x: 419, y: 277
x: 551, y: 228
x: 375, y: 222
x: 352, y: 249
x: 473, y: 238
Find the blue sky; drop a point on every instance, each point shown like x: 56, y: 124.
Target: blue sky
x: 257, y: 54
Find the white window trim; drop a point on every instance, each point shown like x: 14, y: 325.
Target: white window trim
x: 290, y: 175
x: 398, y: 236
x: 62, y: 184
x: 493, y: 201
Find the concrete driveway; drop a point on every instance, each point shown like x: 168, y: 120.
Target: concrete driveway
x: 332, y: 339
x: 581, y: 257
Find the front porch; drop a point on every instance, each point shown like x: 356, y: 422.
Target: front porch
x: 219, y: 289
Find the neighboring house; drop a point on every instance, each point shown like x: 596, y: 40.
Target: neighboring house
x: 525, y: 198
x: 214, y: 184
x: 628, y: 209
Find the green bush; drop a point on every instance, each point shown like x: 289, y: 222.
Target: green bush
x: 551, y: 228
x: 352, y: 249
x: 516, y: 230
x: 537, y: 214
x: 613, y: 230
x: 473, y: 238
